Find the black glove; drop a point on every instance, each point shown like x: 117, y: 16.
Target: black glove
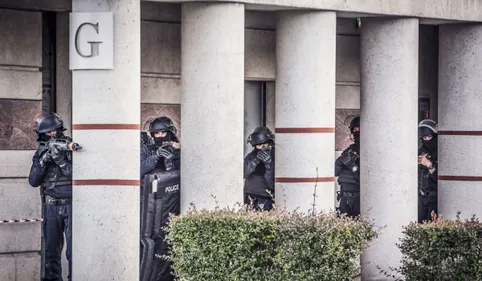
x: 168, y: 157
x: 265, y: 157
x: 348, y: 159
x: 56, y: 154
x: 45, y: 158
x: 164, y: 153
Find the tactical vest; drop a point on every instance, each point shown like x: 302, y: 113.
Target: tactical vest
x: 55, y: 178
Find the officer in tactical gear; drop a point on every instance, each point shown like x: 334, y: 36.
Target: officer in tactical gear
x: 164, y: 153
x: 160, y: 196
x: 347, y: 169
x: 427, y: 163
x: 259, y: 170
x: 52, y: 170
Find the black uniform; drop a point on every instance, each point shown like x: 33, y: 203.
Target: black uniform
x: 259, y: 177
x: 160, y: 196
x: 55, y: 179
x: 348, y: 172
x: 427, y: 196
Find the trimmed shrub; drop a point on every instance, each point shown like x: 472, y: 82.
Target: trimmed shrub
x: 442, y: 250
x: 245, y: 245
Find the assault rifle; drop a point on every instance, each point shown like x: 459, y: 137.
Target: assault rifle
x: 61, y: 143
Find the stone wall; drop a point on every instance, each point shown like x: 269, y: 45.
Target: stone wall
x: 20, y: 104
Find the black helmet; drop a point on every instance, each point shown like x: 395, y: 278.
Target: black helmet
x: 162, y: 124
x: 427, y: 127
x: 260, y: 135
x: 355, y: 122
x: 48, y: 123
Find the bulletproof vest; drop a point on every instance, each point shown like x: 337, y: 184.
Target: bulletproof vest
x: 55, y: 183
x: 256, y: 183
x: 426, y: 182
x: 349, y: 180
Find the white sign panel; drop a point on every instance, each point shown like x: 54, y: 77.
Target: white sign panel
x: 91, y: 41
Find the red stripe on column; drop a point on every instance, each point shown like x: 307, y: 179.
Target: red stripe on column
x: 303, y: 130
x: 107, y: 182
x: 460, y: 133
x: 304, y: 180
x: 459, y: 178
x: 106, y: 127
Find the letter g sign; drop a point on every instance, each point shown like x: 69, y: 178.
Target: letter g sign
x: 91, y: 41
x: 94, y: 45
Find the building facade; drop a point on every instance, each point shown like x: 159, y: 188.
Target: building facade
x: 219, y: 69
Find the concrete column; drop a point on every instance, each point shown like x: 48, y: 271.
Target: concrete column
x: 305, y: 109
x: 389, y: 93
x: 212, y: 82
x: 106, y: 117
x: 460, y: 121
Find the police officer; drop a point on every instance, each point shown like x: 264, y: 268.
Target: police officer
x: 347, y: 169
x: 160, y: 161
x: 259, y: 170
x: 427, y: 160
x: 164, y: 153
x: 52, y: 170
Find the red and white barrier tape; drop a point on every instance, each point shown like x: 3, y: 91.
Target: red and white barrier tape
x: 21, y: 220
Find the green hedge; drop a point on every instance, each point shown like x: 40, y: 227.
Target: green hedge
x: 239, y: 245
x: 442, y: 250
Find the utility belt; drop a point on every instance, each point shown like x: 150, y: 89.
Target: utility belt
x: 57, y: 201
x: 347, y: 194
x: 428, y: 193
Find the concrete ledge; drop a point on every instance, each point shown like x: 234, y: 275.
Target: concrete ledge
x: 458, y: 10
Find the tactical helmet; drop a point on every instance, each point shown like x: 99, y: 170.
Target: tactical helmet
x: 48, y: 123
x: 260, y: 135
x: 162, y: 124
x: 355, y: 122
x: 427, y: 127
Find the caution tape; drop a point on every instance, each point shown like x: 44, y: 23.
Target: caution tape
x: 21, y: 221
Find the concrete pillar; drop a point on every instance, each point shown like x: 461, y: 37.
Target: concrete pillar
x: 389, y: 93
x: 460, y: 121
x: 106, y: 117
x: 305, y: 109
x: 212, y: 82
